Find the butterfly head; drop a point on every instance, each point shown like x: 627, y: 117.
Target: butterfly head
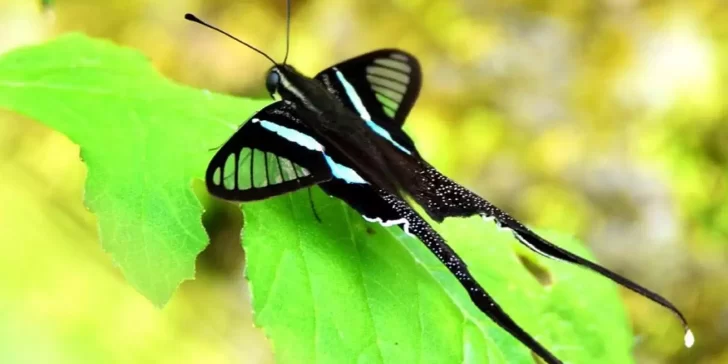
x: 283, y: 82
x: 273, y: 81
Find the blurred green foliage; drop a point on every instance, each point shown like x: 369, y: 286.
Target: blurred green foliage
x: 603, y: 119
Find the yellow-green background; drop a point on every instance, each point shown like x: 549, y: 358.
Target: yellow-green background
x: 605, y: 119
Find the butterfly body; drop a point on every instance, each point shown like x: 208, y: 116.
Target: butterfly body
x: 380, y: 161
x: 342, y: 130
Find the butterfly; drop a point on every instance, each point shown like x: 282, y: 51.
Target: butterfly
x: 342, y: 131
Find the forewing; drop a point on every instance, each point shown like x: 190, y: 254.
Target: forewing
x: 271, y: 154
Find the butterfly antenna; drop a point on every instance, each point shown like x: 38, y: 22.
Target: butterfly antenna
x: 197, y: 20
x: 288, y: 29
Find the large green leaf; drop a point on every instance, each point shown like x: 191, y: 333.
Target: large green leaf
x: 143, y: 138
x: 334, y: 292
x: 348, y: 291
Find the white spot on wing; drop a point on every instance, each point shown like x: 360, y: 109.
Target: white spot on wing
x: 492, y: 219
x: 389, y: 223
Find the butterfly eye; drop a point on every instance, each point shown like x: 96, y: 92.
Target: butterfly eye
x: 272, y: 81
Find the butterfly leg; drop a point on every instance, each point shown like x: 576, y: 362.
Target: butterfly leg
x: 313, y: 208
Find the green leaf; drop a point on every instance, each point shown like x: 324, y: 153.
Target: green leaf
x: 143, y: 138
x: 342, y: 291
x: 348, y: 291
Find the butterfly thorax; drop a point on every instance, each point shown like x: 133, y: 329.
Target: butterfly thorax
x: 342, y: 130
x: 314, y: 102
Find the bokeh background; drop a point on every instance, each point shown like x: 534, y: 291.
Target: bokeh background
x: 605, y: 119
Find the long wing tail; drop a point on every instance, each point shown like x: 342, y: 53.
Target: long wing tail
x: 441, y: 198
x: 386, y: 209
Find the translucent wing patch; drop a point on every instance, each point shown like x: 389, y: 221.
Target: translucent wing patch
x: 387, y: 81
x: 254, y: 168
x: 257, y: 162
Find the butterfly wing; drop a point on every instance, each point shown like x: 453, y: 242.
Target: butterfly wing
x: 271, y: 154
x: 381, y: 87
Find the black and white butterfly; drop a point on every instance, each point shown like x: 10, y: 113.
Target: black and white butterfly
x: 342, y: 131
